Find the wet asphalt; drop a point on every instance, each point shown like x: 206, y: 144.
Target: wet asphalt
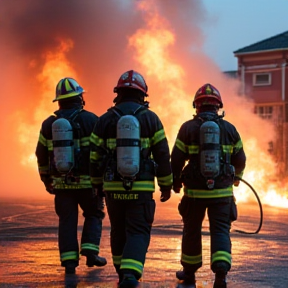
x: 30, y: 258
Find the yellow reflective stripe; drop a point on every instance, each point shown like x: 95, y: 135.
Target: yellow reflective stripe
x: 84, y: 183
x: 43, y: 169
x: 111, y: 143
x: 116, y: 259
x: 191, y: 259
x: 132, y: 264
x: 158, y: 136
x: 148, y: 186
x: 221, y: 256
x: 50, y: 145
x: 71, y: 255
x: 227, y: 149
x: 180, y: 145
x: 85, y: 141
x: 93, y: 156
x: 96, y: 180
x: 42, y: 140
x: 96, y: 140
x: 165, y: 181
x: 193, y: 149
x: 190, y: 149
x: 214, y: 193
x: 238, y: 146
x: 145, y: 142
x: 90, y: 246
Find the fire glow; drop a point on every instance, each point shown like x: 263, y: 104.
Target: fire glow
x: 171, y: 88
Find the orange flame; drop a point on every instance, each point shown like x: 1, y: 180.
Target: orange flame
x: 56, y: 67
x: 152, y: 45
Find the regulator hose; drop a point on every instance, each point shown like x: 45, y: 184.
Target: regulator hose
x: 260, y: 206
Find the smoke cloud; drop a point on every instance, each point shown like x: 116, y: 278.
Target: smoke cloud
x: 98, y: 41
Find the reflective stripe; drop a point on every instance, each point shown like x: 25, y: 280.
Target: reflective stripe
x: 238, y: 146
x: 43, y: 169
x: 221, y: 256
x: 145, y: 142
x: 96, y: 140
x: 50, y: 145
x: 191, y: 259
x: 84, y: 183
x: 85, y: 141
x: 90, y: 246
x: 96, y: 180
x: 193, y: 149
x: 42, y: 140
x: 227, y: 149
x: 165, y: 181
x: 111, y: 143
x: 148, y: 186
x: 158, y: 136
x: 116, y: 259
x: 71, y: 255
x: 214, y: 193
x: 180, y: 145
x: 187, y: 149
x: 132, y: 264
x: 95, y: 156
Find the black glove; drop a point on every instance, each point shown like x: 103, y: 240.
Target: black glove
x: 165, y: 195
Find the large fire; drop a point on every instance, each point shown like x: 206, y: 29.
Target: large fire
x: 172, y: 82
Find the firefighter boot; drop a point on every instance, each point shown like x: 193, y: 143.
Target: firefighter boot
x: 187, y: 279
x: 70, y: 266
x: 93, y: 259
x: 220, y: 280
x: 129, y: 281
x: 220, y: 269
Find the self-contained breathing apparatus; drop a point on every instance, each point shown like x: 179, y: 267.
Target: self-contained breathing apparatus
x: 66, y: 147
x: 213, y: 162
x: 131, y: 159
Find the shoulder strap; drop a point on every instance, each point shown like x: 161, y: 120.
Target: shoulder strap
x: 120, y: 113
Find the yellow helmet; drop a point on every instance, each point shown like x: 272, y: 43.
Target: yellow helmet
x: 66, y: 88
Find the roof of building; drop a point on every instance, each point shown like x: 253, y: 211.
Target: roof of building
x: 276, y: 42
x: 231, y: 74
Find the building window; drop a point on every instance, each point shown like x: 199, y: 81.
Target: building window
x: 261, y: 79
x: 264, y: 112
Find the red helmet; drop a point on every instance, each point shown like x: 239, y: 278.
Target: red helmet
x: 132, y: 79
x: 207, y: 95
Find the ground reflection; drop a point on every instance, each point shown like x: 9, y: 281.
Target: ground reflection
x: 30, y: 254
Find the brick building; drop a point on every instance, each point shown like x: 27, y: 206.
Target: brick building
x: 263, y: 72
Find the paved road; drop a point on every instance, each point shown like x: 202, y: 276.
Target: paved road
x: 29, y: 253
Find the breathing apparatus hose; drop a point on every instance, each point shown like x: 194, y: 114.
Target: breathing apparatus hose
x: 260, y: 206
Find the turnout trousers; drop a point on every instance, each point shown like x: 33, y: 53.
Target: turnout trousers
x: 193, y: 212
x: 66, y: 207
x: 131, y: 223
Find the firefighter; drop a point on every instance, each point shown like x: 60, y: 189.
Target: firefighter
x: 73, y: 187
x: 130, y: 203
x: 208, y: 180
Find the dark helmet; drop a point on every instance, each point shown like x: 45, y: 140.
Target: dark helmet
x: 66, y: 88
x: 207, y: 95
x: 133, y: 80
